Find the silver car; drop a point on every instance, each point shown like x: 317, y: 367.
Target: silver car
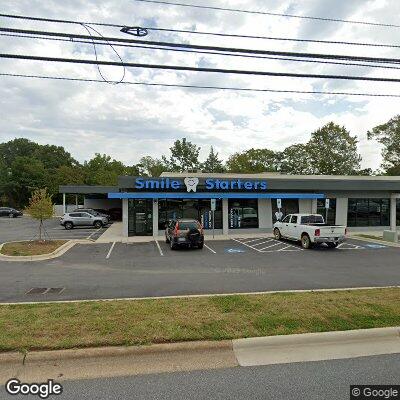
x: 71, y: 220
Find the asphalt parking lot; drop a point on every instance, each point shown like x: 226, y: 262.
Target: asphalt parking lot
x: 242, y: 265
x: 26, y: 228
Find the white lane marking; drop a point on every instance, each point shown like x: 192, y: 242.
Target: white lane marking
x: 111, y: 249
x: 253, y: 240
x: 159, y: 248
x: 247, y: 245
x: 289, y: 246
x: 272, y: 245
x: 258, y: 244
x: 90, y: 236
x: 209, y: 248
x: 185, y: 296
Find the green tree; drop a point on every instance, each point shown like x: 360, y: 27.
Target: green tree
x: 25, y: 165
x: 150, y: 166
x: 333, y: 151
x: 184, y: 156
x: 40, y: 208
x: 212, y: 163
x: 388, y: 134
x: 253, y: 161
x: 24, y: 175
x: 102, y: 170
x: 295, y: 159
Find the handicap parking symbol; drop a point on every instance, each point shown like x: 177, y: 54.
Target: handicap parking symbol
x: 236, y: 250
x: 375, y: 246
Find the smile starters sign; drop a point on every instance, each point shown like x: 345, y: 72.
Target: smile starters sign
x: 192, y: 184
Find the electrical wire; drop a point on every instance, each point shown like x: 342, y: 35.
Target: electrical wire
x: 336, y: 42
x: 88, y: 27
x: 203, y: 47
x: 172, y: 85
x: 273, y: 14
x: 201, y: 52
x: 197, y: 69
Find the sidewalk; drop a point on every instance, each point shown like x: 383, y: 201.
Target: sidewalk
x: 126, y: 361
x: 114, y: 234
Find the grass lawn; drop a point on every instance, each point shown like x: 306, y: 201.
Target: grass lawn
x: 31, y: 248
x: 111, y: 323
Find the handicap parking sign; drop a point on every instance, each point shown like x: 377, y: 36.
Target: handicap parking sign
x: 235, y: 250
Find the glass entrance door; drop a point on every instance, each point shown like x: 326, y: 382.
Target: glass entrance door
x: 140, y: 217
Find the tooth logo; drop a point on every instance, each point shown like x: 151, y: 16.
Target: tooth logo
x: 191, y: 184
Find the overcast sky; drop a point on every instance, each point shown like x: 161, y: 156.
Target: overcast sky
x: 128, y: 121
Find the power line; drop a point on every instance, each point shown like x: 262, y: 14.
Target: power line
x: 170, y: 3
x: 196, y: 69
x: 173, y: 85
x: 200, y: 51
x: 203, y: 47
x: 113, y: 25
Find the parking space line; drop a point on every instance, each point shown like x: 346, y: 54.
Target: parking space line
x: 111, y: 249
x: 248, y: 245
x: 258, y: 244
x: 90, y: 236
x: 209, y: 248
x: 253, y: 240
x: 272, y: 245
x: 289, y: 246
x: 159, y: 247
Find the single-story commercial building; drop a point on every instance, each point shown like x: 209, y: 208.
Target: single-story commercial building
x: 245, y: 201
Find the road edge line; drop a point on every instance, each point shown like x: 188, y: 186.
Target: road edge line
x: 188, y: 296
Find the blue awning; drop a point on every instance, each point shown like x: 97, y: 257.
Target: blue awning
x: 202, y: 195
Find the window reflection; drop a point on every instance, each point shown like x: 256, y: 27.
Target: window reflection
x: 368, y: 212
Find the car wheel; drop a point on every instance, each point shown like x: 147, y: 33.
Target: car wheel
x: 11, y: 215
x: 332, y: 245
x: 68, y: 225
x: 305, y: 241
x: 200, y: 246
x: 172, y: 245
x: 277, y: 234
x: 98, y: 225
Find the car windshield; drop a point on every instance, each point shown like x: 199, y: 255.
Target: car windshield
x: 312, y: 219
x: 188, y: 225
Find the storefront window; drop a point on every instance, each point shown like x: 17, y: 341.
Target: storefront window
x: 397, y: 212
x: 331, y: 220
x: 289, y: 206
x: 193, y: 209
x: 368, y: 212
x: 243, y: 213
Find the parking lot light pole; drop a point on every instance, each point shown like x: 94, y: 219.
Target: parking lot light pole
x: 64, y: 205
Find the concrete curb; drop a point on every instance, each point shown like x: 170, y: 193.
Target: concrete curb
x: 120, y: 361
x: 56, y: 253
x: 382, y: 242
x: 317, y: 346
x: 186, y: 356
x: 117, y: 351
x: 189, y: 296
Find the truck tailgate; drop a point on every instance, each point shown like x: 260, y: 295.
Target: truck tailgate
x: 329, y: 231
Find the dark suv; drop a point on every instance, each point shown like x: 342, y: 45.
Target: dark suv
x: 184, y: 232
x: 10, y: 212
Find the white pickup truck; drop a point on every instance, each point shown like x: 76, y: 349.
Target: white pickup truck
x: 309, y: 229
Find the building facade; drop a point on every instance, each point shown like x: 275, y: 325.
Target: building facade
x: 229, y: 203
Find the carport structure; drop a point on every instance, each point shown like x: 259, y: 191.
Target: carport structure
x: 94, y: 196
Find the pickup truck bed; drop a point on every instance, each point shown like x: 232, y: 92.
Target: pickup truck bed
x: 309, y: 233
